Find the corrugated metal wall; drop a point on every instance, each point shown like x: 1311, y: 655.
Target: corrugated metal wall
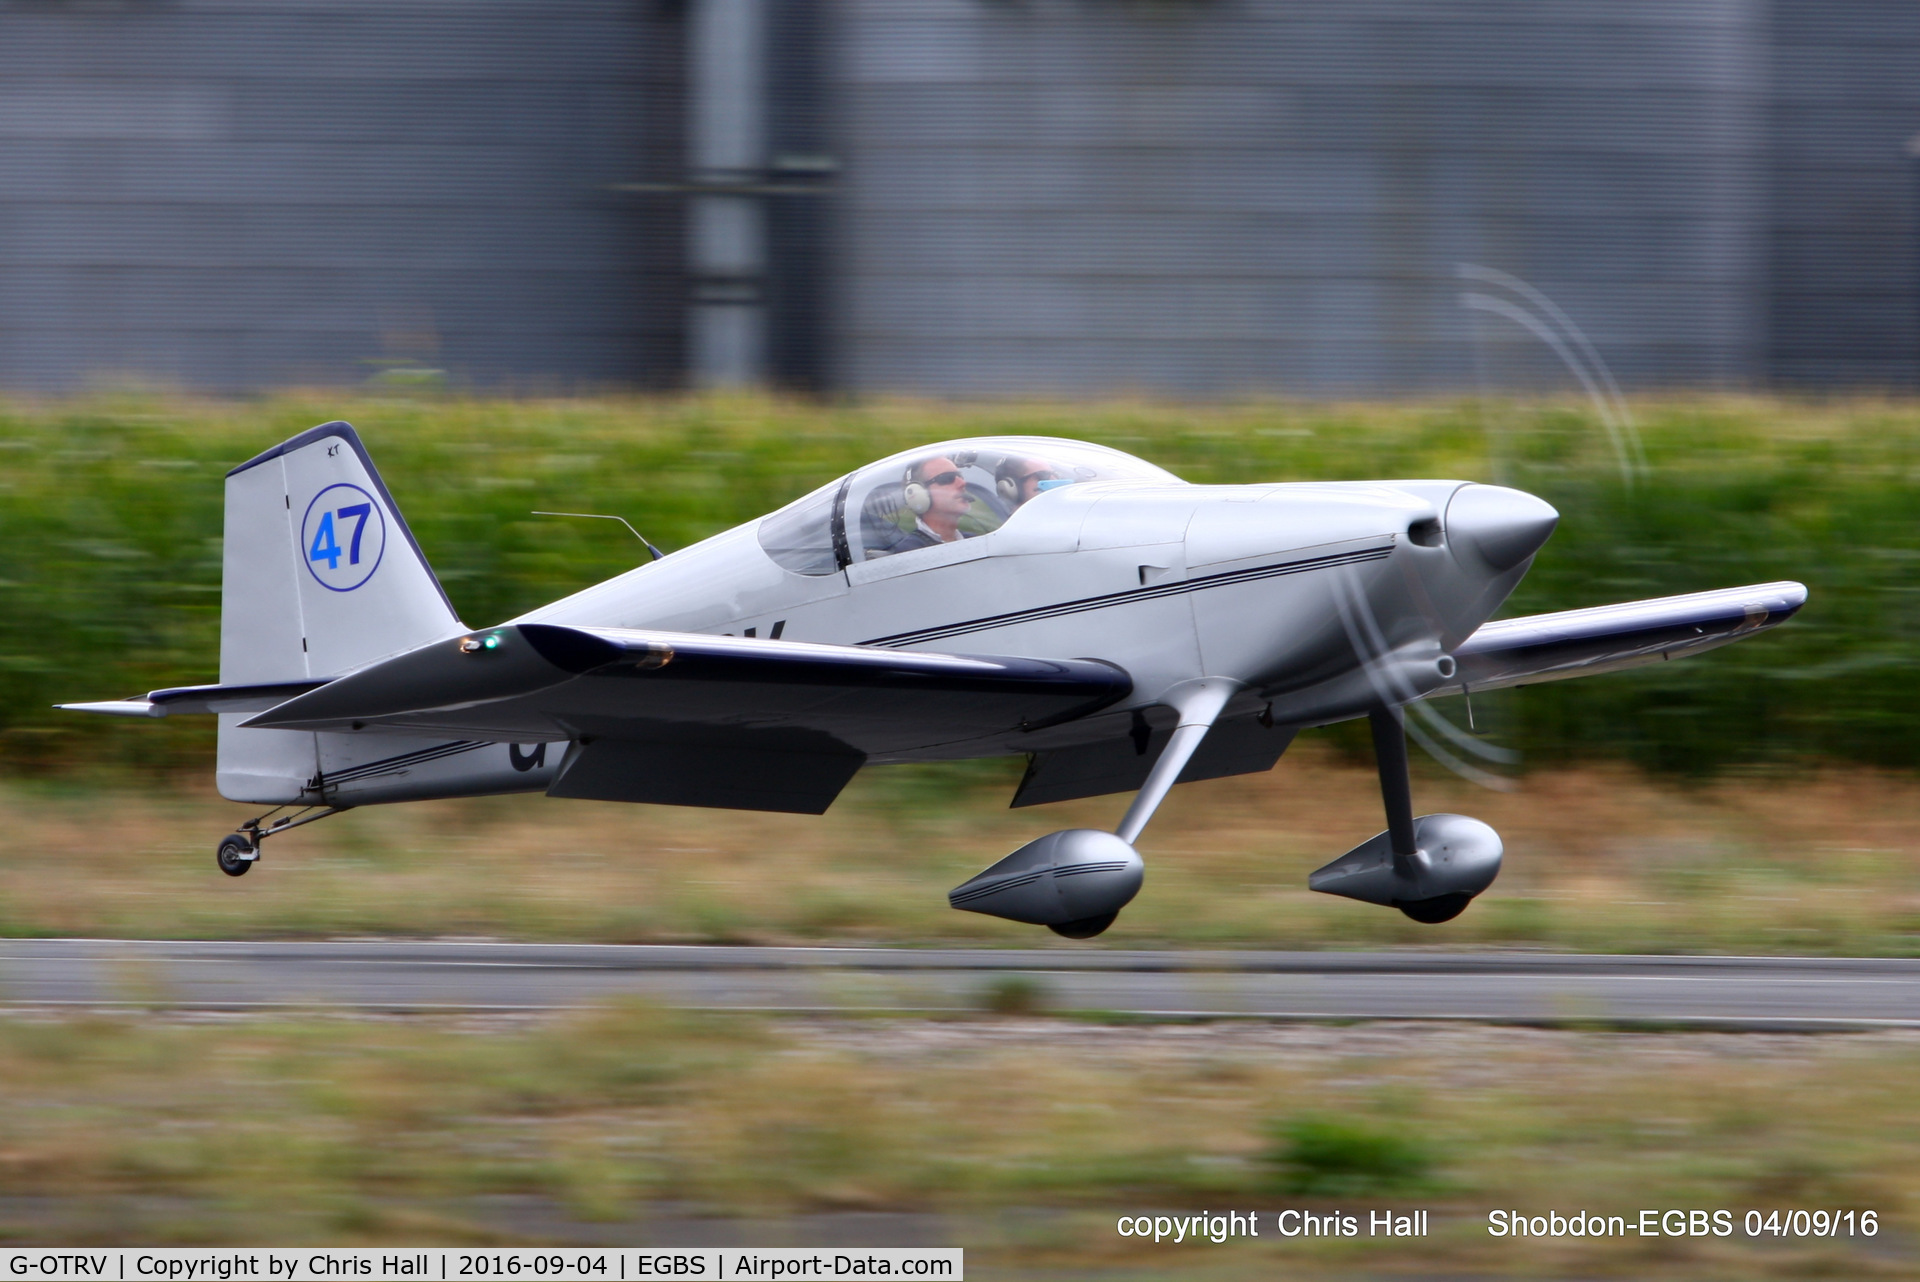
x: 1846, y: 92
x: 1206, y: 196
x: 1195, y: 197
x: 229, y: 195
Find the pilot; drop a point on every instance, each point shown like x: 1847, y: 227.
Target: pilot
x: 936, y: 494
x: 1018, y: 480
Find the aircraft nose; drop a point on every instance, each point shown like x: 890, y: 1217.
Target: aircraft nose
x: 1497, y: 526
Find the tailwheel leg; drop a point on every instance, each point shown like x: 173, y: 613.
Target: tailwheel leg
x: 239, y: 851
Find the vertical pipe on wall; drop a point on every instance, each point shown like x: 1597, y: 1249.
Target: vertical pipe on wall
x: 1913, y: 250
x: 727, y: 231
x: 804, y: 168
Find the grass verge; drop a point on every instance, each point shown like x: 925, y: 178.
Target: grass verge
x: 601, y: 1126
x: 1598, y: 859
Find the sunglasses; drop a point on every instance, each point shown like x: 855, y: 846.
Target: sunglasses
x: 944, y: 478
x: 1045, y: 475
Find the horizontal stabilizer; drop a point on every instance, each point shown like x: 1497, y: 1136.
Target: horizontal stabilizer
x: 114, y: 708
x: 183, y: 700
x: 1609, y: 638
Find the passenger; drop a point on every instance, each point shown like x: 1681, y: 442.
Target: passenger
x: 1018, y: 480
x: 936, y: 494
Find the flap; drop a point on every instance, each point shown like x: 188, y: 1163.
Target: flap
x: 1608, y: 638
x: 797, y: 772
x: 1120, y: 763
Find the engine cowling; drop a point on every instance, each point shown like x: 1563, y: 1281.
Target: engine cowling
x: 1074, y: 882
x: 1456, y: 859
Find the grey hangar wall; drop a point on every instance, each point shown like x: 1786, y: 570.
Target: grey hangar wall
x: 957, y: 197
x: 236, y: 194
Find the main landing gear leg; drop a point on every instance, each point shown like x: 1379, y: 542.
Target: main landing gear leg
x: 1199, y: 706
x: 1429, y: 868
x: 1396, y: 784
x: 239, y: 851
x: 1076, y: 882
x: 1396, y: 793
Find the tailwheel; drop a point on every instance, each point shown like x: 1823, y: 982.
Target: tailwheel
x: 236, y: 855
x: 239, y: 851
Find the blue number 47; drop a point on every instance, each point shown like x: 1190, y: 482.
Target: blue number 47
x: 327, y: 548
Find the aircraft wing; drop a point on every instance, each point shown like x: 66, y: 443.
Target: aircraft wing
x: 1608, y: 638
x: 700, y: 720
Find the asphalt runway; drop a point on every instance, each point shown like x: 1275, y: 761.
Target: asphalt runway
x: 1521, y: 988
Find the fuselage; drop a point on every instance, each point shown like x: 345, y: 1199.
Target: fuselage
x: 1319, y: 600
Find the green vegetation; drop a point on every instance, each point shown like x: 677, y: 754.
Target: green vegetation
x: 1013, y: 995
x: 322, y: 1130
x: 110, y: 536
x: 1319, y: 1155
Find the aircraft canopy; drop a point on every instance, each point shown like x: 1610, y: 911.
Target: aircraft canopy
x: 935, y: 494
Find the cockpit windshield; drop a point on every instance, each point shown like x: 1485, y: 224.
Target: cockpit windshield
x: 938, y: 494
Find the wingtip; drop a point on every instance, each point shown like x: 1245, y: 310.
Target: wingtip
x: 1790, y: 597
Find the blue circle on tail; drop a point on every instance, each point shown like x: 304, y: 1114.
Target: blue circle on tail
x: 343, y: 536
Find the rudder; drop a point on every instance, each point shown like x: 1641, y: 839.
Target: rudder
x: 320, y: 575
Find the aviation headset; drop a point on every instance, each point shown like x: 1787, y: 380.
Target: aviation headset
x: 1007, y: 479
x: 918, y: 500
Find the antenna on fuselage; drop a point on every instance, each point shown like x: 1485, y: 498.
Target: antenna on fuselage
x: 602, y: 516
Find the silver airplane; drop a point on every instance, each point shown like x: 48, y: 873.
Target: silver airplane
x: 1122, y: 629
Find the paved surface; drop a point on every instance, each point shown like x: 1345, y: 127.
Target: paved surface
x: 1739, y: 992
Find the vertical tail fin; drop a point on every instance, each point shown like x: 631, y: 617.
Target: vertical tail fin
x: 321, y: 572
x: 321, y: 575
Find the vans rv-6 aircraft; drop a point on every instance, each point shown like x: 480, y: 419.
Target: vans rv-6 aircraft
x: 1121, y: 628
